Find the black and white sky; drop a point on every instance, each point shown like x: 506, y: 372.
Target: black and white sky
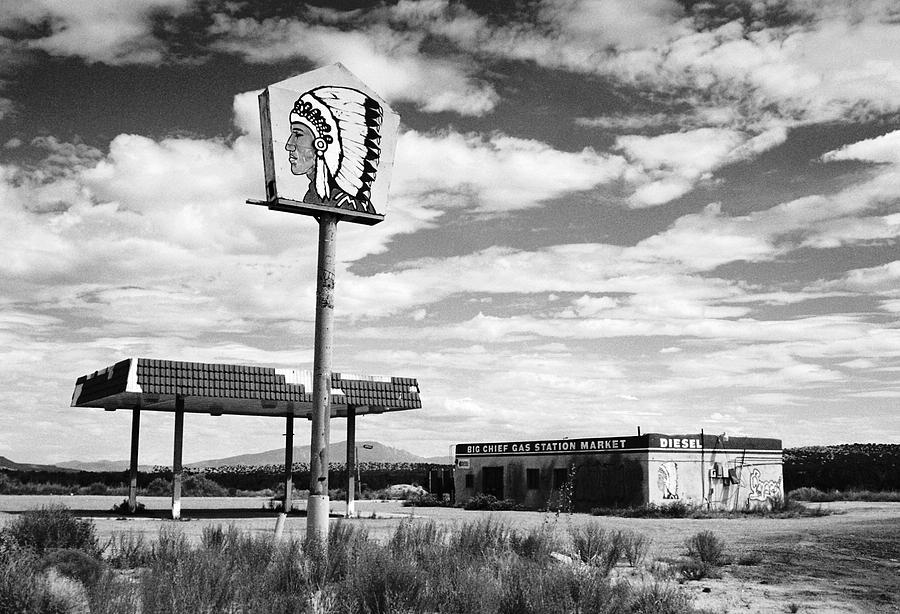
x: 604, y: 214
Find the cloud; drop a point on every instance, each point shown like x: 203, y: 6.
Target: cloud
x: 497, y: 173
x: 884, y: 148
x: 106, y: 31
x: 391, y: 62
x: 816, y: 62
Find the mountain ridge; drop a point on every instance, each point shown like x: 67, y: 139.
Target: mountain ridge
x: 337, y: 452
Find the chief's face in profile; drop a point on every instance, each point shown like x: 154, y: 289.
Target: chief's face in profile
x: 301, y: 153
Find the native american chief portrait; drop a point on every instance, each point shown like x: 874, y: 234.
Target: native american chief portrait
x: 328, y: 143
x: 335, y: 141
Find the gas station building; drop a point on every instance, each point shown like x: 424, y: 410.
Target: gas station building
x: 718, y: 471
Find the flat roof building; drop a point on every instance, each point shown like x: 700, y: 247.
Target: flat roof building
x: 718, y: 471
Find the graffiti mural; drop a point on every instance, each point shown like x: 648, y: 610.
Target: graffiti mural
x: 667, y: 480
x: 766, y: 491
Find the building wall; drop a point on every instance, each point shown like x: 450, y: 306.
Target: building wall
x: 732, y: 474
x: 599, y: 481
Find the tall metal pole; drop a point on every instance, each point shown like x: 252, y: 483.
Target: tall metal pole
x: 133, y: 472
x: 318, y: 504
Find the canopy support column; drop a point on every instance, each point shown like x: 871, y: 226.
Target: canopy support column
x: 352, y: 461
x: 133, y: 469
x: 288, y: 462
x: 177, y: 469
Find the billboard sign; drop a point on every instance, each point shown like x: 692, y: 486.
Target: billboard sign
x: 328, y: 145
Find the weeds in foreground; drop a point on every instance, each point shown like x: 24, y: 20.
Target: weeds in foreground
x: 603, y: 549
x: 706, y: 547
x: 706, y: 552
x: 477, y: 568
x: 52, y: 527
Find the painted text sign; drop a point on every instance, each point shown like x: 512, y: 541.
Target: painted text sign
x: 557, y: 446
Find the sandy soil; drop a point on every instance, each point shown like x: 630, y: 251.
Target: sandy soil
x: 845, y: 562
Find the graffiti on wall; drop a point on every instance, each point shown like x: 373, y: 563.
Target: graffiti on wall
x: 667, y: 480
x: 766, y: 491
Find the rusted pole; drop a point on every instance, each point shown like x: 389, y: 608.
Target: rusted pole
x: 133, y: 472
x: 176, y: 457
x: 318, y: 504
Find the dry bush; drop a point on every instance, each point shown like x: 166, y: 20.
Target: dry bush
x: 706, y: 547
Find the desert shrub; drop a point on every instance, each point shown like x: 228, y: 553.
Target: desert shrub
x: 346, y: 542
x: 426, y: 500
x: 159, y: 487
x: 201, y: 486
x: 53, y: 527
x: 812, y: 494
x: 114, y: 593
x: 221, y: 575
x: 464, y: 586
x: 385, y: 584
x: 706, y: 547
x: 635, y: 547
x: 491, y: 503
x: 75, y: 564
x: 127, y: 551
x: 481, y: 538
x: 537, y: 543
x: 595, y: 594
x: 420, y: 540
x: 596, y: 546
x: 124, y: 508
x: 94, y: 488
x: 660, y: 598
x: 676, y: 509
x: 529, y: 587
x: 24, y: 589
x: 695, y: 569
x: 750, y: 558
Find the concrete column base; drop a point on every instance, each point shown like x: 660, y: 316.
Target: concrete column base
x: 318, y: 508
x: 351, y: 509
x: 279, y: 525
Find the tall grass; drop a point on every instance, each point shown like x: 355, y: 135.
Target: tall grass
x: 604, y: 549
x: 476, y: 568
x: 52, y: 527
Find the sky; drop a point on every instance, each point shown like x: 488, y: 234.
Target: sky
x: 603, y: 215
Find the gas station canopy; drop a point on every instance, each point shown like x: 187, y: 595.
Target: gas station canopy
x: 209, y: 388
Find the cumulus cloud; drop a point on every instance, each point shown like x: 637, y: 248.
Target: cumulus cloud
x: 497, y: 173
x: 391, y: 62
x: 884, y: 148
x: 106, y: 31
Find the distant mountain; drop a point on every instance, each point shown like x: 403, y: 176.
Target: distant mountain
x: 5, y: 463
x: 102, y: 465
x: 337, y: 452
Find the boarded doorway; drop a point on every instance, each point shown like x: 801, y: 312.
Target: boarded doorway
x: 492, y: 481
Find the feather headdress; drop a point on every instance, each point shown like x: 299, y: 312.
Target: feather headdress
x: 346, y: 126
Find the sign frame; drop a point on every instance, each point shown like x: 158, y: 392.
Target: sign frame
x: 344, y: 170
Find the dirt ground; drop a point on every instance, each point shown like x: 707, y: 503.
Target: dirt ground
x: 846, y: 562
